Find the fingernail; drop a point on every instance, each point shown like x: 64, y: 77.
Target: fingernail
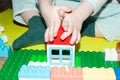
x: 55, y: 35
x: 51, y: 39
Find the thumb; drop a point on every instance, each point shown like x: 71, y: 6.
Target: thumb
x: 63, y: 11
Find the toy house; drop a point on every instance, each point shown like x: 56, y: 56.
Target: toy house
x: 60, y: 52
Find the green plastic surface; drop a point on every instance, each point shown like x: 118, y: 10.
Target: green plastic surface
x: 93, y: 59
x: 18, y: 58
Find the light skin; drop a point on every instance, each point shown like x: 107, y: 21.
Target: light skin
x: 72, y: 19
x: 52, y: 19
x: 72, y: 22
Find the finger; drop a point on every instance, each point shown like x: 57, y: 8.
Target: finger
x: 61, y: 13
x: 56, y: 28
x: 51, y: 31
x: 46, y: 36
x: 65, y: 25
x: 78, y: 38
x: 74, y: 37
x: 66, y: 34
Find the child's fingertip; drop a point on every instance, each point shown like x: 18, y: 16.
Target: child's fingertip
x: 46, y: 40
x: 55, y: 34
x: 51, y: 39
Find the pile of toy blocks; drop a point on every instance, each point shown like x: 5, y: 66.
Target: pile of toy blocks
x: 67, y: 73
x: 88, y: 65
x: 71, y: 65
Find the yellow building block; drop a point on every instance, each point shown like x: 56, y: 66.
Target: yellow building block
x: 98, y: 74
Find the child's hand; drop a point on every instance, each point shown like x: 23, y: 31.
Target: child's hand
x: 72, y: 22
x: 72, y: 25
x: 53, y: 21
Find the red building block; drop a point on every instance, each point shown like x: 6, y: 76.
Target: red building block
x: 66, y: 73
x: 57, y: 39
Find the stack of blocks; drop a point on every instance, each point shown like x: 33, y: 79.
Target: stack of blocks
x: 63, y: 63
x: 61, y: 59
x: 67, y: 73
x: 87, y: 62
x: 60, y: 52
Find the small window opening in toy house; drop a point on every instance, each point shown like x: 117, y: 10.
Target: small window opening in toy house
x: 55, y: 52
x: 66, y: 53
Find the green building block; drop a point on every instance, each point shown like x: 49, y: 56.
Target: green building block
x: 22, y: 57
x: 39, y: 58
x: 15, y: 61
x: 93, y: 59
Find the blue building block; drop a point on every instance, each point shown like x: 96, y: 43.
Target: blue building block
x: 117, y: 73
x: 5, y: 50
x: 34, y: 72
x: 1, y: 42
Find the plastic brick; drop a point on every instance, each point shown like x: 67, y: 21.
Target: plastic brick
x: 66, y: 73
x: 15, y: 61
x: 98, y: 74
x: 117, y: 73
x: 1, y: 42
x: 82, y: 59
x: 111, y: 54
x: 38, y: 57
x: 4, y: 38
x: 37, y: 63
x: 93, y: 59
x: 57, y: 39
x: 34, y: 72
x: 89, y: 59
x: 5, y: 50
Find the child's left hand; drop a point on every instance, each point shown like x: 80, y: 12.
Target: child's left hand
x: 72, y: 26
x: 72, y: 22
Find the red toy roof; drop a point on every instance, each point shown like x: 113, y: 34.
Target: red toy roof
x: 57, y: 39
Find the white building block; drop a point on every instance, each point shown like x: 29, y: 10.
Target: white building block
x: 111, y: 54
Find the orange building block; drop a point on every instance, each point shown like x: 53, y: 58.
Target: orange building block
x: 118, y: 50
x: 66, y: 73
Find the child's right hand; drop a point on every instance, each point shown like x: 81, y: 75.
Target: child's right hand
x: 52, y: 19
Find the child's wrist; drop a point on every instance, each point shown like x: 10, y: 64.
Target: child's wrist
x: 44, y: 3
x: 85, y: 10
